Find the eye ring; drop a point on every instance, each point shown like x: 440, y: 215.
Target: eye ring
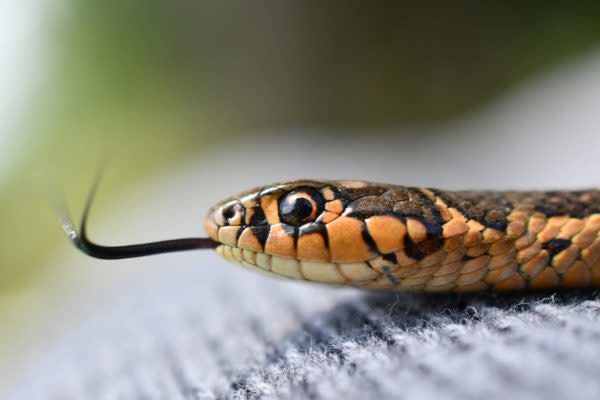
x: 300, y: 207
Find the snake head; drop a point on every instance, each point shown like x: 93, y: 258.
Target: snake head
x: 303, y: 229
x: 344, y: 232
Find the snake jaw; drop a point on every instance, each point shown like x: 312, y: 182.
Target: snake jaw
x: 359, y: 274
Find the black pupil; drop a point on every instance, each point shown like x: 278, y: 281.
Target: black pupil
x: 302, y: 208
x: 297, y: 210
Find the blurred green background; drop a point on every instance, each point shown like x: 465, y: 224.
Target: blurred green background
x: 151, y: 82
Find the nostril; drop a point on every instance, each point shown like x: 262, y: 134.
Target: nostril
x: 232, y: 214
x: 228, y: 213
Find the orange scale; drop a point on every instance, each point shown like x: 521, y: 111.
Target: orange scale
x: 280, y: 242
x: 388, y: 233
x: 335, y: 206
x: 514, y: 282
x: 578, y: 276
x: 346, y: 242
x: 312, y: 246
x: 229, y: 234
x: 546, y: 279
x: 270, y: 206
x: 248, y: 241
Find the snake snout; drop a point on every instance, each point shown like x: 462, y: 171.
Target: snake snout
x: 223, y: 220
x: 231, y: 213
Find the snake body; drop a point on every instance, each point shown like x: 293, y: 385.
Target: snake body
x: 391, y: 237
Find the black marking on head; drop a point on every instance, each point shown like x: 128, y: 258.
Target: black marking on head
x: 238, y: 234
x: 262, y: 233
x: 390, y: 257
x: 315, y: 227
x: 434, y: 230
x: 366, y: 236
x: 258, y: 216
x: 412, y: 249
x: 555, y: 246
x: 431, y: 244
x: 292, y: 231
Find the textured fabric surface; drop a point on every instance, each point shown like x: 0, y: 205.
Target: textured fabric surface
x: 190, y: 326
x: 297, y: 342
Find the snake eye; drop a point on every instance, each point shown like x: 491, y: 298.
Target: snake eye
x: 298, y: 208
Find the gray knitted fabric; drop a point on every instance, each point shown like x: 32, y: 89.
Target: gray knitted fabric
x: 190, y: 326
x: 276, y: 339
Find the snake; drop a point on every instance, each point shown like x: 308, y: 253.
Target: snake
x: 395, y: 238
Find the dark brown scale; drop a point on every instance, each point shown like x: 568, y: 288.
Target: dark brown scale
x: 368, y: 206
x: 577, y: 204
x: 261, y: 232
x: 555, y: 246
x: 488, y: 208
x: 366, y: 236
x: 418, y: 251
x: 352, y: 194
x: 390, y: 257
x: 258, y: 216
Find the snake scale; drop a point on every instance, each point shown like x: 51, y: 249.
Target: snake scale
x: 390, y: 237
